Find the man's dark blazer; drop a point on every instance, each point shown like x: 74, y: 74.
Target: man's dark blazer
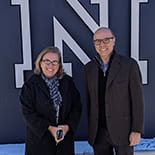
x: 123, y: 99
x: 39, y: 113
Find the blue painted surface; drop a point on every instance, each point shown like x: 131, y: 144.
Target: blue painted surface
x: 81, y: 147
x: 12, y: 128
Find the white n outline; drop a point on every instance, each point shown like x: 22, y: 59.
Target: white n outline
x: 60, y: 34
x: 103, y: 9
x: 135, y: 37
x: 26, y: 42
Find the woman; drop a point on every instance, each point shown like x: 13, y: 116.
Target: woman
x: 50, y: 102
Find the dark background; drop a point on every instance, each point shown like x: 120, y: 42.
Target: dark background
x: 12, y: 128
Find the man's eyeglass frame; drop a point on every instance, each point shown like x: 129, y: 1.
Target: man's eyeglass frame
x: 104, y: 41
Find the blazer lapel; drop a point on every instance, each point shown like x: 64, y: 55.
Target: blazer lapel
x: 94, y: 78
x: 114, y: 69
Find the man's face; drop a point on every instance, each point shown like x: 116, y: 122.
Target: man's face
x: 104, y: 43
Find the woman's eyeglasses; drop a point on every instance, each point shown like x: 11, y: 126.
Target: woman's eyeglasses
x: 48, y: 62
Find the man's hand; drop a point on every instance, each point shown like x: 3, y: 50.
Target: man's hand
x: 134, y: 138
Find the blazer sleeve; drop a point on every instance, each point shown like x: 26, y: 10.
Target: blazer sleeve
x: 87, y: 91
x: 33, y: 120
x: 137, y: 101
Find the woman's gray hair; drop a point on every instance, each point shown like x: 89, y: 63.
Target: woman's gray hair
x: 50, y: 49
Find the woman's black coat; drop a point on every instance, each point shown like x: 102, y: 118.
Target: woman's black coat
x: 39, y: 113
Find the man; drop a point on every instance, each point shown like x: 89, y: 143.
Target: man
x: 114, y: 98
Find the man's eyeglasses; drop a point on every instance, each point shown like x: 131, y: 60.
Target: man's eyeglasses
x: 48, y: 62
x: 105, y: 41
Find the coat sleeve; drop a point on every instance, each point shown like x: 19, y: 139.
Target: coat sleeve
x: 137, y: 101
x: 75, y: 112
x: 33, y: 120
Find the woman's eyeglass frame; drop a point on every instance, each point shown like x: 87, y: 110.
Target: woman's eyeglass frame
x: 48, y: 62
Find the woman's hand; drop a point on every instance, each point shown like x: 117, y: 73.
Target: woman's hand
x: 53, y: 130
x: 65, y: 129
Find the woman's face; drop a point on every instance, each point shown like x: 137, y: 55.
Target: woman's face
x: 50, y: 64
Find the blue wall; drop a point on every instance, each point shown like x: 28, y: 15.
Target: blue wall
x: 27, y: 27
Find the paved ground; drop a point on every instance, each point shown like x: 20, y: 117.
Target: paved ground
x: 136, y: 153
x: 81, y: 148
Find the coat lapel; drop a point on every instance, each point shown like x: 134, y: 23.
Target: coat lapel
x: 43, y: 86
x: 114, y: 69
x: 63, y: 90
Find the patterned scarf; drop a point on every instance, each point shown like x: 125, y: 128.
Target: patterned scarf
x: 55, y: 95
